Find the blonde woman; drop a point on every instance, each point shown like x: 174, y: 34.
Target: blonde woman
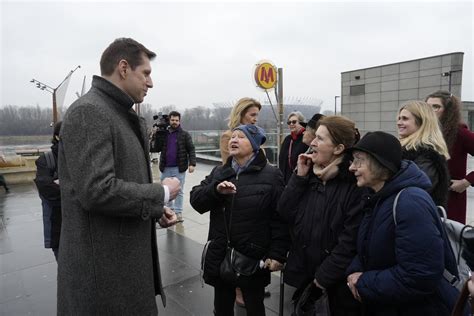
x: 245, y: 111
x: 423, y: 143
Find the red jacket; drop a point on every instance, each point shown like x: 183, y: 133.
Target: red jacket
x: 457, y: 165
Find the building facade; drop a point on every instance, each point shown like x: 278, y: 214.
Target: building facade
x: 371, y: 97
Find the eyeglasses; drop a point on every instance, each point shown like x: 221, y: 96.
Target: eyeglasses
x: 436, y: 107
x: 292, y: 122
x: 357, y: 162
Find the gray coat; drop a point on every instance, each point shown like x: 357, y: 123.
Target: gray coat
x: 108, y: 258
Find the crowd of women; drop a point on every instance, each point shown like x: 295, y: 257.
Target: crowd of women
x: 355, y: 219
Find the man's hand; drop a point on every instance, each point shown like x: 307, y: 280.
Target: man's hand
x: 226, y: 187
x: 459, y: 186
x: 173, y: 185
x: 273, y: 265
x: 168, y: 218
x: 351, y: 283
x: 191, y: 169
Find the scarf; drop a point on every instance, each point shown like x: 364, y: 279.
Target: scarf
x: 329, y: 172
x: 238, y: 168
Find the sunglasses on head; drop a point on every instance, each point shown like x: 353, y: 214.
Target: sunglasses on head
x: 292, y: 122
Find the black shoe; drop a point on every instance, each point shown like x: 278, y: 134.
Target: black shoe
x: 267, y: 293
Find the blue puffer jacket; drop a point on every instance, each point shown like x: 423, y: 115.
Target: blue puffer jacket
x: 403, y: 264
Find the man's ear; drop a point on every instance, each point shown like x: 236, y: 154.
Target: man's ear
x: 339, y: 149
x: 123, y: 68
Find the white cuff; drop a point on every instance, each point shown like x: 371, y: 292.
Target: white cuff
x: 167, y: 193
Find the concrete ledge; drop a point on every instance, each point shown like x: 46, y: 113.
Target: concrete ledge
x: 18, y: 175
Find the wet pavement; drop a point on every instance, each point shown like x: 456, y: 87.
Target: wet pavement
x: 28, y: 271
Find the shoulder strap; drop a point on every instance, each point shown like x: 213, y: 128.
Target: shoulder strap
x: 50, y: 160
x: 394, y: 209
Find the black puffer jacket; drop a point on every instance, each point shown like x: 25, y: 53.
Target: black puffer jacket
x: 186, y: 152
x: 436, y: 168
x: 325, y: 220
x: 256, y: 230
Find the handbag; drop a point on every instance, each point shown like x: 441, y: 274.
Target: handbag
x: 235, y: 263
x: 313, y: 302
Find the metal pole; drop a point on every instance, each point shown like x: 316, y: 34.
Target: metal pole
x: 55, y: 110
x: 449, y: 82
x: 280, y: 109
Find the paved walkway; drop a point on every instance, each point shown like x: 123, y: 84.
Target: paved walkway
x: 28, y: 271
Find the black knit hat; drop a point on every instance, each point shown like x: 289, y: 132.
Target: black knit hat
x: 384, y: 147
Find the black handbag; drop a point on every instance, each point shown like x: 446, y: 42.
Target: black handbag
x: 312, y: 302
x: 235, y: 263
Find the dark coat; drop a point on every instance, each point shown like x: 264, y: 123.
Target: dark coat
x: 403, y: 264
x: 457, y: 165
x: 256, y: 230
x: 298, y: 147
x: 108, y: 258
x: 186, y: 153
x: 436, y: 168
x: 325, y: 219
x: 50, y: 195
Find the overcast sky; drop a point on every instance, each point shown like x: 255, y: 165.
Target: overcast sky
x: 207, y: 50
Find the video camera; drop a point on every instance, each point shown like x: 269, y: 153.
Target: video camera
x: 162, y: 122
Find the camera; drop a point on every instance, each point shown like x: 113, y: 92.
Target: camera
x: 162, y: 122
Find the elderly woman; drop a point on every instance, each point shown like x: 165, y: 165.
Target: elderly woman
x: 292, y: 145
x: 241, y: 197
x: 423, y: 143
x: 401, y: 254
x: 321, y: 203
x: 460, y: 142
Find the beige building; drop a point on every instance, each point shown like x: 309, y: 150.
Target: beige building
x: 371, y: 96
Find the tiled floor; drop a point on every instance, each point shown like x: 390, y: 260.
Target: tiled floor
x: 28, y: 271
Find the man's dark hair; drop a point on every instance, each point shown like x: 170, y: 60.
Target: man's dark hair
x: 123, y: 48
x: 175, y: 113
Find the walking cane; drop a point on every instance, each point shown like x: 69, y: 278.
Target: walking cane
x: 282, y: 292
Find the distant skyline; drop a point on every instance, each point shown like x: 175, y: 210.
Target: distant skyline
x: 206, y: 51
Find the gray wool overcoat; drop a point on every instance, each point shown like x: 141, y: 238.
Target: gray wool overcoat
x: 108, y: 258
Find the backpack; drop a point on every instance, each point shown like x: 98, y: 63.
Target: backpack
x: 51, y: 163
x: 453, y: 234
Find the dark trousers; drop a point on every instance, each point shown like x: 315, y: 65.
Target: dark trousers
x: 224, y: 299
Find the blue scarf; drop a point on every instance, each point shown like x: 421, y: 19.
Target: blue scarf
x: 238, y: 169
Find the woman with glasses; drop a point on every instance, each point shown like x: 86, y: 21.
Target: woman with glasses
x: 322, y: 205
x: 245, y: 111
x: 401, y: 255
x: 241, y: 196
x: 460, y: 142
x: 423, y: 143
x: 292, y: 145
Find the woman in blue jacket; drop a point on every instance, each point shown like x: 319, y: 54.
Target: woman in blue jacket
x: 401, y: 254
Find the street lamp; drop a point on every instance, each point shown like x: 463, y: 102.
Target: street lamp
x: 335, y: 104
x: 45, y: 87
x: 449, y: 74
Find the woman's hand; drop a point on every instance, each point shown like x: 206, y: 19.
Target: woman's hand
x: 351, y: 283
x: 226, y: 187
x: 459, y: 186
x: 273, y: 265
x: 304, y: 163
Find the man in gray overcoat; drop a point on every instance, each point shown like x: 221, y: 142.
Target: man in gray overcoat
x: 108, y: 258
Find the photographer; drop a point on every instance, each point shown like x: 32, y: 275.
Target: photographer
x: 177, y: 154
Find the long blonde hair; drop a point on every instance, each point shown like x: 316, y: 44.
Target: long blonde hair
x: 239, y: 110
x: 429, y: 131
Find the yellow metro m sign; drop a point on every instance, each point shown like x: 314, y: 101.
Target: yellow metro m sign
x: 265, y: 75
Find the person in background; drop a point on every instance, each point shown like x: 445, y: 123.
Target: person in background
x: 401, y: 254
x: 245, y: 111
x: 322, y: 205
x: 310, y: 130
x: 241, y: 196
x: 108, y: 258
x: 177, y: 156
x: 423, y: 143
x: 460, y: 142
x: 49, y: 191
x: 292, y: 145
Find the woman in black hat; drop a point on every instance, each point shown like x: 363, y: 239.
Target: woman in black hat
x: 401, y: 255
